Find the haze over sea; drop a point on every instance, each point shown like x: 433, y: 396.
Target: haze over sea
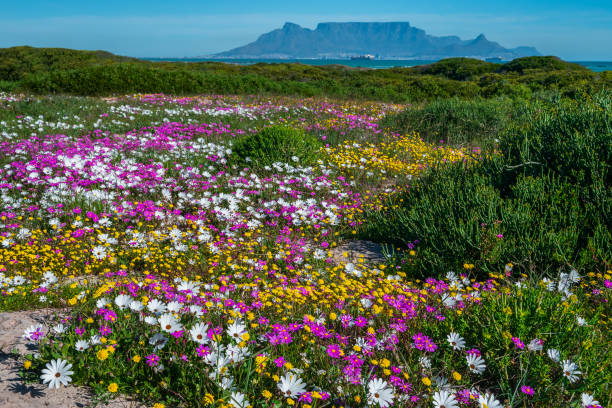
x: 597, y: 66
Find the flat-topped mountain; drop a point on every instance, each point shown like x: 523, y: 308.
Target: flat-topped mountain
x: 384, y: 40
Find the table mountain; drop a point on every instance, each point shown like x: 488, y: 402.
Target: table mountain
x: 385, y: 40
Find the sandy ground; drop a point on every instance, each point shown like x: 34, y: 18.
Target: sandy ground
x: 14, y: 393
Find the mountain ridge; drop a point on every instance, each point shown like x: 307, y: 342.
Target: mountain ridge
x: 392, y: 40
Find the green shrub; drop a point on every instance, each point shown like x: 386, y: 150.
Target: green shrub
x: 543, y: 203
x: 453, y: 120
x: 571, y: 138
x: 459, y: 69
x: 459, y: 217
x: 277, y: 144
x: 532, y: 312
x: 548, y: 63
x: 7, y: 86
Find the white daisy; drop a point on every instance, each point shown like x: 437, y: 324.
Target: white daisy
x: 81, y: 345
x: 425, y: 362
x: 441, y: 382
x: 198, y: 333
x: 574, y: 276
x: 236, y: 330
x: 456, y: 341
x: 291, y: 386
x: 588, y: 399
x: 158, y: 340
x: 101, y: 303
x: 150, y: 320
x: 169, y: 323
x: 155, y: 306
x: 59, y: 328
x: 238, y: 400
x: 570, y: 371
x: 475, y: 363
x: 99, y: 253
x: 554, y: 355
x: 57, y: 372
x: 444, y: 399
x: 488, y: 401
x: 174, y: 306
x: 136, y: 305
x: 379, y: 393
x: 123, y: 301
x: 188, y: 286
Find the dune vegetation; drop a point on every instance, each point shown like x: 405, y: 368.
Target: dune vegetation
x: 190, y: 223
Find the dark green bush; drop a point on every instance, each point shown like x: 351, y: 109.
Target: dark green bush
x: 571, y: 138
x: 455, y: 121
x: 277, y: 144
x: 548, y: 63
x: 543, y: 203
x: 7, y: 86
x: 459, y: 69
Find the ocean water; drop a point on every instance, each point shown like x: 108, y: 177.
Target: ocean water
x: 597, y: 66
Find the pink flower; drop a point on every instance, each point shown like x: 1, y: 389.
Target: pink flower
x: 518, y: 343
x: 525, y: 389
x: 152, y: 360
x: 333, y: 350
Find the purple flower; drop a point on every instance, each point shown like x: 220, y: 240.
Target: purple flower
x: 518, y: 343
x: 525, y: 389
x: 152, y: 360
x: 203, y: 350
x: 280, y: 361
x: 422, y: 342
x: 334, y: 351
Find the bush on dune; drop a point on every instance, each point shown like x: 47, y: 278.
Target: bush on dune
x: 542, y: 203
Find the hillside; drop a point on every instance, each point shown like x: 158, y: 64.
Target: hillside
x: 386, y: 40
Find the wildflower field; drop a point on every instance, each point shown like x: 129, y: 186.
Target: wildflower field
x: 193, y: 248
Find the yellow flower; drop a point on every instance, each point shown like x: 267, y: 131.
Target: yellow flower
x: 457, y: 376
x: 333, y: 316
x: 290, y: 401
x: 266, y: 394
x: 136, y: 359
x: 357, y: 399
x: 102, y: 354
x: 27, y: 364
x: 113, y: 387
x: 426, y: 381
x: 246, y: 337
x: 159, y: 405
x: 209, y: 399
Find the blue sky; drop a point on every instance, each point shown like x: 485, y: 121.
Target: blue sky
x: 151, y: 28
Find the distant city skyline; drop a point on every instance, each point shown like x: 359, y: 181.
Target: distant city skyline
x: 571, y: 30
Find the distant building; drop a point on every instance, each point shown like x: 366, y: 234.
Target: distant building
x: 363, y: 57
